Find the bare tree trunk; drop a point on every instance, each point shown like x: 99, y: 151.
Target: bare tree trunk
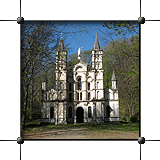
x: 25, y: 106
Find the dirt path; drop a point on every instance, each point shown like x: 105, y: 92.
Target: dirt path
x: 80, y: 133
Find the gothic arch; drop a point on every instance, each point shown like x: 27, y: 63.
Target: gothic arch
x: 89, y: 78
x: 51, y: 112
x: 78, y: 77
x: 80, y: 115
x: 78, y: 68
x: 89, y: 112
x: 79, y: 84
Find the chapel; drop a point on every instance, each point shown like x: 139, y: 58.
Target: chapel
x: 79, y: 96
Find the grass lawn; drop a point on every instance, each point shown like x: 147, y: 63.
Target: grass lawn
x: 103, y: 127
x: 34, y: 130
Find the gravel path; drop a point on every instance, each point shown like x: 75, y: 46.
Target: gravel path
x: 80, y: 133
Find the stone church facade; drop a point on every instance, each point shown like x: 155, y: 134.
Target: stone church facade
x: 79, y: 95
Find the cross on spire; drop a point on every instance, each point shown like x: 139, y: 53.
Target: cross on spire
x: 96, y: 45
x: 61, y: 46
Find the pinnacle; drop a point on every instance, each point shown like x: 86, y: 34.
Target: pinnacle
x: 113, y: 77
x: 96, y: 45
x: 61, y: 46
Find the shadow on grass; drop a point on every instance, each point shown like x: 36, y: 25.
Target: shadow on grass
x: 115, y: 126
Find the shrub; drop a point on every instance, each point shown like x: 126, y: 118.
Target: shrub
x: 134, y: 119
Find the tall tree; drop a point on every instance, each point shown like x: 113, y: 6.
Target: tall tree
x: 86, y: 56
x: 123, y: 56
x: 39, y: 42
x: 123, y: 26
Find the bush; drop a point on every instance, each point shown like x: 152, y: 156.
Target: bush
x: 134, y: 119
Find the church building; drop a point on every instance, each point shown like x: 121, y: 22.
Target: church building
x: 79, y: 96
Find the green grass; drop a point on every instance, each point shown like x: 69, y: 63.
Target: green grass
x: 113, y: 126
x: 103, y: 127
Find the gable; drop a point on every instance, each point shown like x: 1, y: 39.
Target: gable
x: 81, y: 66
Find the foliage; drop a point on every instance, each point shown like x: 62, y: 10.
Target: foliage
x: 134, y: 119
x: 73, y: 60
x: 39, y: 41
x: 123, y: 26
x: 86, y: 56
x: 123, y: 56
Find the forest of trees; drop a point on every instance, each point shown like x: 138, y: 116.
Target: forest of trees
x: 123, y: 57
x: 38, y: 43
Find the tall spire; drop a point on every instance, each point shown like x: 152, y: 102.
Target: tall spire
x: 96, y: 45
x: 96, y: 35
x: 113, y: 76
x: 114, y: 81
x: 61, y: 46
x: 61, y: 35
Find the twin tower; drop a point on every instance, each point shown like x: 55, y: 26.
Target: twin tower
x: 79, y: 95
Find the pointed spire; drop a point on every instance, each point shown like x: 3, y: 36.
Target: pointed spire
x: 113, y: 77
x: 96, y: 45
x: 61, y: 46
x: 61, y: 35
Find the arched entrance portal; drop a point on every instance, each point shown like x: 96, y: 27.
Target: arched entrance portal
x: 79, y: 115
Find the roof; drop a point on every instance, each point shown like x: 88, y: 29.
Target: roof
x: 81, y: 64
x: 113, y: 77
x: 61, y: 46
x: 96, y: 45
